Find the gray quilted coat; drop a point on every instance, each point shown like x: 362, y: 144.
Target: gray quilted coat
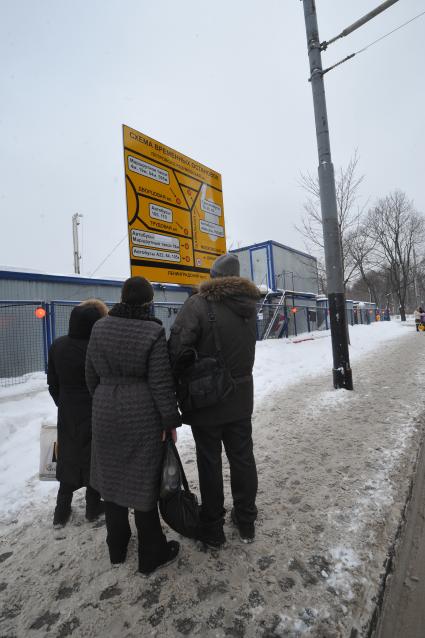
x: 128, y: 374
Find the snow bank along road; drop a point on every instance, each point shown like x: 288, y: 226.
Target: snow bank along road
x: 334, y: 470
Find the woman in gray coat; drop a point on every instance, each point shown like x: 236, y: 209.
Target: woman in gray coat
x: 129, y: 376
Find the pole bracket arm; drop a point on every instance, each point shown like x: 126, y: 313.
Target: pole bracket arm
x: 314, y: 73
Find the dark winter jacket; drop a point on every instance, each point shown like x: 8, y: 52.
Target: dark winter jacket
x: 129, y: 375
x: 234, y: 303
x: 67, y: 385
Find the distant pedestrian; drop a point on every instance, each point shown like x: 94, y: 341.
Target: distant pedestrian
x: 230, y: 301
x: 284, y: 330
x: 418, y: 317
x: 129, y: 376
x: 67, y: 386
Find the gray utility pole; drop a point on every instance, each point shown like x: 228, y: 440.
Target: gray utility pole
x: 77, y: 255
x: 342, y: 375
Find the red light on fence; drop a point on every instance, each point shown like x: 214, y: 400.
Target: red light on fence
x: 294, y: 310
x: 40, y: 313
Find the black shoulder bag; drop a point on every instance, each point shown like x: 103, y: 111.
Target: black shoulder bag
x: 204, y: 380
x: 177, y: 504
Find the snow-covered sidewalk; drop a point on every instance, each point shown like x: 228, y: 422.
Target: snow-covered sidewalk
x: 278, y: 365
x: 333, y: 467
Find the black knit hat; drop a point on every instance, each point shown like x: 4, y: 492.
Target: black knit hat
x: 136, y: 291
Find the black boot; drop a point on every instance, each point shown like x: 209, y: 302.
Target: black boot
x: 153, y: 557
x: 212, y: 534
x: 246, y: 530
x: 94, y: 506
x: 118, y: 531
x: 154, y: 551
x: 94, y: 510
x: 117, y: 553
x: 62, y: 510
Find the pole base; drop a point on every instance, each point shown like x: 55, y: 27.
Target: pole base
x: 342, y: 378
x: 342, y: 375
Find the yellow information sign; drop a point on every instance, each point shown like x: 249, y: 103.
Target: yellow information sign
x: 175, y: 212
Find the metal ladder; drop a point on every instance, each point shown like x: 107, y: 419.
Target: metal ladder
x: 273, y: 319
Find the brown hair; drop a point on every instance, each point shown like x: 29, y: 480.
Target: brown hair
x: 96, y: 303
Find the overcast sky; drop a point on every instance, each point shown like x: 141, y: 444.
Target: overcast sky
x: 224, y: 82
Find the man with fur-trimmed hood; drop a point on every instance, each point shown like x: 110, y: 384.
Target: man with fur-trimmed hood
x: 233, y: 300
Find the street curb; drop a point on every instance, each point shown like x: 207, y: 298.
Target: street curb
x: 389, y: 564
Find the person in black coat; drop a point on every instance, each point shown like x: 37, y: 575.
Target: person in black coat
x: 67, y: 386
x: 234, y: 302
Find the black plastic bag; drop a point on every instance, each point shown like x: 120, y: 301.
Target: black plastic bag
x: 178, y: 505
x: 170, y: 473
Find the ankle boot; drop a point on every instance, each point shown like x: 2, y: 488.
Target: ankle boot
x: 62, y: 510
x: 118, y: 551
x: 154, y: 556
x: 212, y: 534
x: 94, y: 510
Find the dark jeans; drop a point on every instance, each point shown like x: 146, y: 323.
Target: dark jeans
x: 237, y: 441
x: 149, y: 531
x: 66, y: 492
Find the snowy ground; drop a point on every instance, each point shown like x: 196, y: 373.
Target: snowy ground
x: 334, y: 469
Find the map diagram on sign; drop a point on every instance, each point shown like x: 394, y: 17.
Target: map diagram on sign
x: 175, y: 212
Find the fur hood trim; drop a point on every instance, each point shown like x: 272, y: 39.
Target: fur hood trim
x: 221, y: 288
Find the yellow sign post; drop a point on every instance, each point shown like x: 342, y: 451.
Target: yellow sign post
x: 175, y: 212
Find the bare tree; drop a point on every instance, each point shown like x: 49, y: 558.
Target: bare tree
x: 347, y: 185
x: 420, y: 282
x: 360, y: 247
x: 375, y: 287
x: 396, y: 229
x: 322, y: 281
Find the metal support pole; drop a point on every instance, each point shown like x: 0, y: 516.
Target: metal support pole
x: 342, y: 374
x: 46, y: 335
x: 53, y: 320
x: 77, y: 256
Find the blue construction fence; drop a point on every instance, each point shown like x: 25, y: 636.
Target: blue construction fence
x: 28, y: 328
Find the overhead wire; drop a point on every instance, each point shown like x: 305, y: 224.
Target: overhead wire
x: 390, y: 32
x: 74, y: 292
x: 108, y: 255
x: 368, y: 46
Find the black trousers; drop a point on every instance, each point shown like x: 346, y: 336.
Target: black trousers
x: 66, y: 492
x: 149, y: 531
x: 237, y: 440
